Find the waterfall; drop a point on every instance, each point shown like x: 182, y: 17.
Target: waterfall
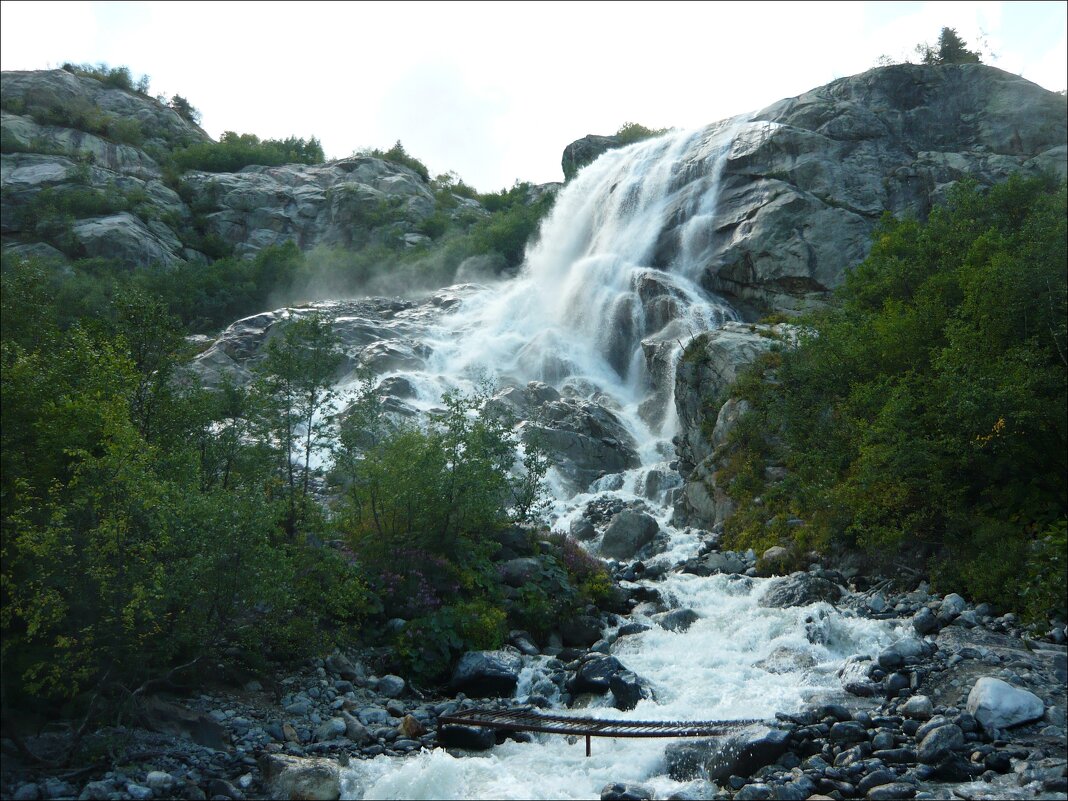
x: 605, y: 299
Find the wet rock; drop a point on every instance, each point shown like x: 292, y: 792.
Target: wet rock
x: 996, y: 704
x: 685, y: 759
x: 595, y: 674
x: 310, y: 778
x: 717, y: 562
x: 628, y: 689
x: 486, y: 673
x: 582, y: 530
x: 745, y: 753
x: 627, y: 533
x: 676, y: 619
x: 800, y: 589
x: 581, y: 631
x: 625, y: 792
x: 470, y: 738
x: 848, y: 732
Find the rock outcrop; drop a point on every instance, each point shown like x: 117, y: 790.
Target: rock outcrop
x: 70, y: 134
x: 709, y: 365
x: 807, y: 178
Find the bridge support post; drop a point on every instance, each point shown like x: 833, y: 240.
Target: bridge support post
x: 587, y: 745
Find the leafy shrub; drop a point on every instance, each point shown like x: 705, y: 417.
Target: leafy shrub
x: 630, y: 132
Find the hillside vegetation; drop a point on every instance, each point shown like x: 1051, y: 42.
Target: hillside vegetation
x: 924, y: 413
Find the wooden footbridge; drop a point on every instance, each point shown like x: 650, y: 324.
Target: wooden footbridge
x: 535, y: 721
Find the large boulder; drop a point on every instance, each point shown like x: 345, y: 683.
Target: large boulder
x: 487, y: 673
x: 800, y: 589
x: 584, y: 439
x: 996, y: 704
x: 303, y: 778
x: 627, y: 533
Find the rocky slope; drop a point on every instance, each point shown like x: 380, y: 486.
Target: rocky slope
x: 805, y: 181
x: 48, y: 144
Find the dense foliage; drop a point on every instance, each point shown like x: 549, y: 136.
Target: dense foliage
x: 144, y: 524
x: 234, y: 151
x: 147, y: 523
x: 925, y: 412
x: 631, y: 132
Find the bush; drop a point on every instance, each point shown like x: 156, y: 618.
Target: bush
x: 630, y: 132
x: 398, y: 155
x: 234, y: 151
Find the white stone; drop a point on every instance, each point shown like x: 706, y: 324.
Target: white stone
x: 918, y: 706
x: 996, y: 704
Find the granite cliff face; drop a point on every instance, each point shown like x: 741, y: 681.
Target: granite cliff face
x: 808, y: 177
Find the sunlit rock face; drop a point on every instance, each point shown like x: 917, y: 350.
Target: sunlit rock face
x: 807, y: 178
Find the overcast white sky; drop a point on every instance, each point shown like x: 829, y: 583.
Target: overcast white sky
x: 495, y: 91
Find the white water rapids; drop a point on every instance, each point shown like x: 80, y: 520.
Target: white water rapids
x: 577, y: 318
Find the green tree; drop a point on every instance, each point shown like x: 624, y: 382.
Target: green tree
x: 294, y: 388
x: 950, y: 49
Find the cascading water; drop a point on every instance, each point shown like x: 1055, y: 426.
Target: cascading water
x: 606, y: 297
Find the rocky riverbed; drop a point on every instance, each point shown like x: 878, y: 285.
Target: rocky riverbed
x: 967, y: 705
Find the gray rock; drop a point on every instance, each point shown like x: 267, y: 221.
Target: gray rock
x: 620, y: 791
x: 627, y: 533
x: 390, y: 686
x: 296, y: 777
x: 892, y: 791
x: 800, y: 589
x: 924, y: 621
x: 848, y: 731
x: 138, y: 792
x: 686, y: 758
x: 583, y: 530
x: 676, y: 619
x: 906, y: 651
x: 330, y: 729
x: 160, y: 781
x: 628, y: 689
x: 93, y: 791
x: 743, y: 754
x: 471, y: 738
x: 918, y: 706
x: 716, y: 562
x: 939, y: 743
x: 996, y: 704
x: 584, y: 439
x: 952, y: 605
x: 757, y: 791
x: 586, y: 150
x: 581, y: 631
x: 595, y: 674
x: 485, y: 673
x: 29, y: 792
